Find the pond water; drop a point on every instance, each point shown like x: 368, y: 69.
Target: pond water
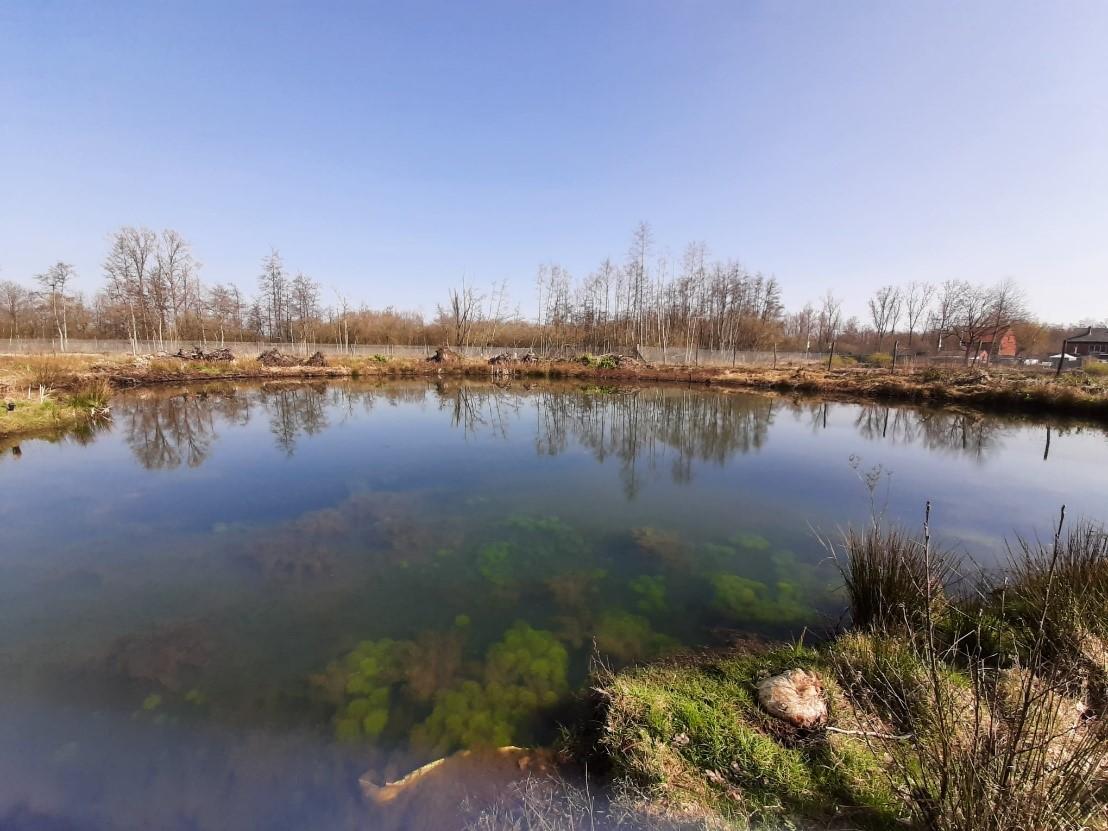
x: 223, y: 608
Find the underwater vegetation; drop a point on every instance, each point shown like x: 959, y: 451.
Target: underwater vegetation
x: 651, y: 592
x: 523, y: 672
x: 167, y: 658
x: 666, y: 547
x: 474, y: 684
x: 751, y: 542
x: 743, y: 600
x: 626, y: 637
x: 529, y: 549
x: 371, y: 671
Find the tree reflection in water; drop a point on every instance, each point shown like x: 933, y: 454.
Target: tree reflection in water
x: 294, y: 410
x: 642, y: 428
x: 636, y: 425
x: 164, y: 431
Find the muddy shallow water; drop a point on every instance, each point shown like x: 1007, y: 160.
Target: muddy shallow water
x: 225, y: 607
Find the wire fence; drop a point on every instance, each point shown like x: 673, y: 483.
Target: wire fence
x: 650, y: 354
x: 656, y: 355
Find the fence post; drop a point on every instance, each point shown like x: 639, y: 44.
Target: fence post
x: 896, y: 345
x: 775, y: 354
x: 831, y: 356
x: 1061, y: 359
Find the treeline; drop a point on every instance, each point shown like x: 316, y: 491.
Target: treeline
x: 152, y: 293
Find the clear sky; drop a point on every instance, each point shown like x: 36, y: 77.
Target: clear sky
x: 388, y: 149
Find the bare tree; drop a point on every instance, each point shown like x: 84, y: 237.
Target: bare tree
x: 972, y: 317
x: 54, y: 282
x: 884, y: 309
x: 917, y: 302
x: 946, y: 310
x: 829, y: 320
x: 642, y: 240
x: 15, y: 302
x: 1007, y: 305
x: 224, y: 307
x: 344, y: 309
x: 128, y: 268
x: 464, y: 307
x: 304, y: 299
x: 171, y: 283
x: 273, y: 286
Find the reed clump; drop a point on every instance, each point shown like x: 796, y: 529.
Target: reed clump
x: 93, y: 395
x: 995, y: 738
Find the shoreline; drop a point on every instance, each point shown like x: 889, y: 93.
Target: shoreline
x: 76, y: 386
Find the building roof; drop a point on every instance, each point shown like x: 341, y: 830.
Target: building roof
x: 1092, y: 334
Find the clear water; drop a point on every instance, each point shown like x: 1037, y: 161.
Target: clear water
x: 223, y: 608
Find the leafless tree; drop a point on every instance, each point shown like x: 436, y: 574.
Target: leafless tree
x: 128, y: 268
x: 972, y: 318
x: 642, y: 241
x: 946, y: 310
x: 304, y: 299
x: 15, y: 302
x: 917, y: 301
x: 1007, y: 305
x: 171, y: 283
x: 54, y: 282
x: 884, y: 309
x: 829, y: 320
x: 273, y: 288
x: 465, y: 306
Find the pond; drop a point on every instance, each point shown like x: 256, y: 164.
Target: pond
x: 227, y: 605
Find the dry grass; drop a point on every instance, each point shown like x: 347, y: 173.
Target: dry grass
x: 995, y: 739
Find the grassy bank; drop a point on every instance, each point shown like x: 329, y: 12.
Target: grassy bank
x: 955, y: 701
x: 51, y: 392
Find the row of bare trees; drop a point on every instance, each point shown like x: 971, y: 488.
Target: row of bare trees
x: 966, y: 313
x: 153, y: 294
x: 691, y: 303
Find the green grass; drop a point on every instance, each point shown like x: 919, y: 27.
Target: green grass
x: 693, y: 732
x: 958, y: 715
x: 37, y: 417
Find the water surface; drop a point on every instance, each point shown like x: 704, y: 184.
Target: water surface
x: 223, y: 608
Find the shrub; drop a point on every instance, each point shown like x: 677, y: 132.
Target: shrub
x: 879, y: 359
x: 45, y: 372
x: 600, y: 361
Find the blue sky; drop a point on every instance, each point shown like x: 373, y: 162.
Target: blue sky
x: 389, y: 149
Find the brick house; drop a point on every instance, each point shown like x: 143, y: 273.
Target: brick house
x: 1093, y: 342
x: 999, y: 345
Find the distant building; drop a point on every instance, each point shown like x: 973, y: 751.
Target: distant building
x: 999, y: 345
x: 1093, y: 342
x: 993, y: 345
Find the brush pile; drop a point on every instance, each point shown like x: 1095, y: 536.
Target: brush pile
x: 198, y: 353
x: 445, y: 355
